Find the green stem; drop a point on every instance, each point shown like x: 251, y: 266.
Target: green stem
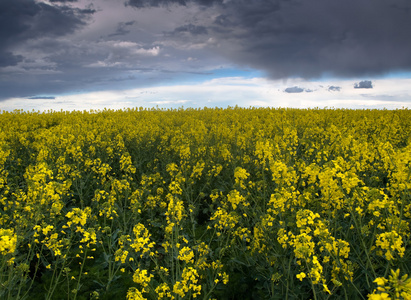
x: 52, y: 289
x: 358, y: 226
x: 81, y: 272
x: 35, y: 270
x: 312, y: 284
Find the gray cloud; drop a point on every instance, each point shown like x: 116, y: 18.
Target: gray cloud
x: 42, y: 98
x: 333, y: 88
x: 58, y: 21
x: 28, y: 19
x: 153, y: 3
x: 313, y: 38
x: 15, y: 19
x: 122, y: 28
x: 366, y: 84
x: 29, y: 34
x: 157, y: 3
x: 9, y: 59
x: 309, y: 39
x: 294, y: 89
x: 22, y: 20
x: 47, y: 47
x: 189, y: 28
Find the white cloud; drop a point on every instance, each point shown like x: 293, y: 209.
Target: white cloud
x: 135, y: 48
x: 222, y: 92
x: 123, y: 44
x: 150, y: 52
x: 173, y: 102
x: 104, y: 64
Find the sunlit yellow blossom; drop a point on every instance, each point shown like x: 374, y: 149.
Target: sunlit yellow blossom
x: 186, y: 254
x: 163, y: 291
x: 301, y: 276
x: 235, y: 198
x: 78, y: 216
x: 134, y: 294
x: 8, y: 241
x: 142, y: 278
x: 395, y: 287
x: 390, y: 243
x: 240, y: 175
x: 141, y: 243
x: 188, y: 283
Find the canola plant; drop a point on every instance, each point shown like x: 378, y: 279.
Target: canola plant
x: 235, y: 203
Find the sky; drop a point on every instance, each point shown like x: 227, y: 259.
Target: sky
x: 96, y: 54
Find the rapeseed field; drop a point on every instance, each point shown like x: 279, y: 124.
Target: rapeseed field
x: 206, y: 203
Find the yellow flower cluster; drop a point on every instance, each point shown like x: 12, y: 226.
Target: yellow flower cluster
x: 390, y: 242
x: 8, y: 241
x: 141, y: 243
x: 395, y: 287
x: 206, y: 203
x: 187, y: 284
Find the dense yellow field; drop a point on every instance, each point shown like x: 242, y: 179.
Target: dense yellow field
x: 212, y: 203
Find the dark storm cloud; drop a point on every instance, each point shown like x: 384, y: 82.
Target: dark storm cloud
x: 42, y: 98
x: 44, y: 51
x: 157, y: 3
x: 9, y: 59
x: 123, y: 28
x: 153, y: 3
x: 21, y: 20
x: 15, y: 19
x: 309, y: 39
x: 313, y: 38
x: 294, y: 90
x: 26, y: 27
x: 333, y: 88
x: 190, y: 28
x: 366, y: 84
x: 58, y: 21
